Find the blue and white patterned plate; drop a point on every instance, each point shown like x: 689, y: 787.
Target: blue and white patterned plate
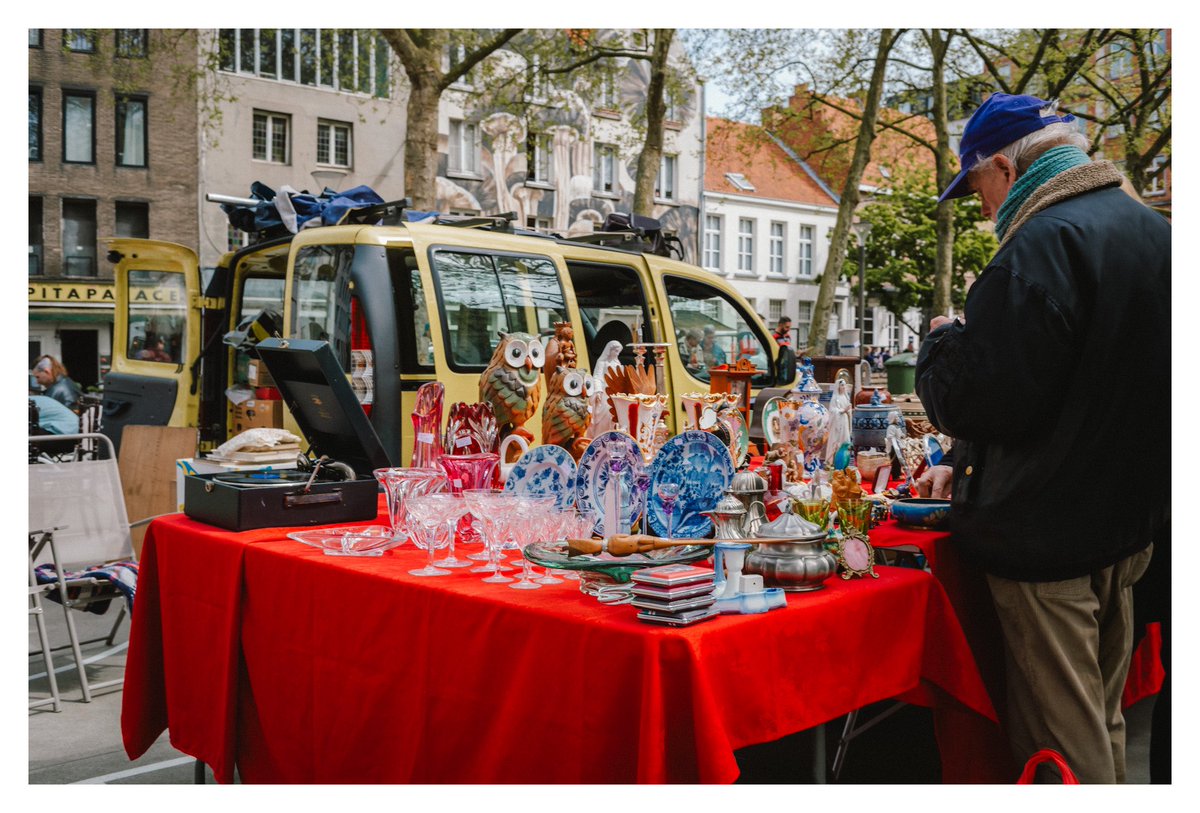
x: 544, y: 471
x: 701, y: 464
x: 594, y: 472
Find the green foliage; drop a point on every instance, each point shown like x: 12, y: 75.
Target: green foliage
x: 902, y: 245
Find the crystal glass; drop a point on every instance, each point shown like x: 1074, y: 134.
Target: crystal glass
x: 491, y: 508
x: 855, y: 513
x: 552, y: 524
x: 505, y: 522
x: 468, y: 472
x: 427, y: 425
x: 428, y: 526
x: 537, y: 513
x: 400, y: 484
x: 452, y: 507
x: 814, y: 510
x: 668, y: 492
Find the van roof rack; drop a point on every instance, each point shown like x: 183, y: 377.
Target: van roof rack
x: 389, y: 213
x: 501, y: 222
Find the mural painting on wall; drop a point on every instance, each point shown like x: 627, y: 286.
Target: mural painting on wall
x: 567, y: 200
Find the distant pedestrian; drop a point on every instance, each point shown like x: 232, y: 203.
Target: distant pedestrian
x: 908, y: 348
x: 50, y: 373
x: 783, y: 332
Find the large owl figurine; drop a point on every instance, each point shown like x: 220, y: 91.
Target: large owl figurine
x: 511, y: 381
x: 565, y: 415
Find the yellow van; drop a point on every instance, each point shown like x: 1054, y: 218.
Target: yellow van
x: 402, y: 305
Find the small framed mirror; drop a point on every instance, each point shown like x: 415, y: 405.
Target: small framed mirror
x: 855, y: 555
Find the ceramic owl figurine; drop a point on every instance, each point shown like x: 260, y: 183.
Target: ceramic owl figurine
x: 565, y: 416
x: 511, y: 382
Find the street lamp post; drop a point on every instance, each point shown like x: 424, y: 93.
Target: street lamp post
x: 861, y: 229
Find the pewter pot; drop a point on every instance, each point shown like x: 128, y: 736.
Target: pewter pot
x: 728, y: 517
x: 797, y: 567
x: 750, y: 489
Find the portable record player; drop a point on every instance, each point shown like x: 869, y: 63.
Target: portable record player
x: 333, y: 482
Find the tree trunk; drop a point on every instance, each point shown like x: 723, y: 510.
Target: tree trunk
x: 944, y: 218
x: 656, y: 109
x: 850, y: 198
x: 421, y: 142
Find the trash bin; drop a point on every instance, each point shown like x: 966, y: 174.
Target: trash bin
x: 902, y: 373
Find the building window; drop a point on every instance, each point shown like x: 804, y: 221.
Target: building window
x: 35, y: 38
x: 80, y: 40
x: 456, y: 54
x: 605, y: 168
x: 542, y: 224
x: 79, y: 128
x: 539, y: 158
x: 131, y: 137
x: 133, y: 219
x: 333, y: 143
x: 739, y: 181
x: 868, y: 326
x: 608, y: 88
x: 464, y: 147
x: 131, y: 42
x: 671, y: 113
x: 79, y: 237
x: 803, y: 323
x: 1119, y: 62
x: 36, y: 247
x: 712, y: 242
x: 664, y: 184
x: 1156, y: 184
x: 745, y: 254
x: 774, y: 310
x: 806, y: 251
x: 777, y: 249
x: 35, y: 124
x: 345, y: 59
x: 271, y: 137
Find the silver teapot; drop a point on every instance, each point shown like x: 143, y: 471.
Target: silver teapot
x: 797, y: 566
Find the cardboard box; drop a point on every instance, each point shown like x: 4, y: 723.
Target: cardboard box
x: 257, y: 413
x: 258, y: 375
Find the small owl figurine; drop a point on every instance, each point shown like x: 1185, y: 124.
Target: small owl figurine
x: 511, y: 381
x: 565, y: 415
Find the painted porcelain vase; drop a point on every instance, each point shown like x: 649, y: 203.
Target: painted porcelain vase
x: 637, y: 416
x: 813, y: 419
x: 694, y: 404
x: 868, y: 425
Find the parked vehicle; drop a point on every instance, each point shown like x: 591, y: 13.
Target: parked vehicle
x: 403, y: 304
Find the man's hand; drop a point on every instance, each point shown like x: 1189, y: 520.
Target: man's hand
x: 935, y: 482
x: 938, y: 321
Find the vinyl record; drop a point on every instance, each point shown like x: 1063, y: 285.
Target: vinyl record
x: 263, y: 478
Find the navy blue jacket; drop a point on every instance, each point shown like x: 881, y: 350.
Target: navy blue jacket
x: 1057, y: 392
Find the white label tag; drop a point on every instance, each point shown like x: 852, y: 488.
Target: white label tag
x: 457, y: 483
x: 463, y: 441
x: 424, y: 437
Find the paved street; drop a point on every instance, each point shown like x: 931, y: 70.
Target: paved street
x: 82, y: 743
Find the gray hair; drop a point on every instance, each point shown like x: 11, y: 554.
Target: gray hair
x: 1027, y: 149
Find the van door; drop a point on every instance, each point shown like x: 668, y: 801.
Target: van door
x: 156, y: 337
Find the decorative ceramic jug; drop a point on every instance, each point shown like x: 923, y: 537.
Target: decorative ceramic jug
x: 814, y: 425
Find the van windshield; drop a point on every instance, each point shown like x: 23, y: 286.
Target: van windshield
x: 711, y: 330
x: 484, y: 294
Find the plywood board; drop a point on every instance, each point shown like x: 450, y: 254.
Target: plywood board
x: 147, y: 465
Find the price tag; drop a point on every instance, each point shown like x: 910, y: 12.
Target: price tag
x: 463, y: 441
x: 424, y: 437
x: 456, y: 483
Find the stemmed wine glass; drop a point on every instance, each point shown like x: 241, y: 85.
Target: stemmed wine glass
x: 453, y: 508
x: 668, y: 492
x: 552, y: 526
x: 400, y: 484
x: 503, y: 522
x: 524, y: 533
x: 483, y: 503
x: 425, y: 521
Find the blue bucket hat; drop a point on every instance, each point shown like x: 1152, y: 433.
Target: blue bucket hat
x: 998, y: 122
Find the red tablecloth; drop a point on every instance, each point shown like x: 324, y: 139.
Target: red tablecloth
x: 968, y: 593
x: 259, y: 652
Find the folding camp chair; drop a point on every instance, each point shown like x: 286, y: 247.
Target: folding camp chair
x: 36, y: 610
x: 77, y: 520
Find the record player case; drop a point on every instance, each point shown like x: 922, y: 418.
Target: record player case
x: 316, y: 391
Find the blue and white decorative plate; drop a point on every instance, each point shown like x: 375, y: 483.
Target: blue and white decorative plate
x: 594, y: 473
x: 544, y: 471
x: 701, y: 464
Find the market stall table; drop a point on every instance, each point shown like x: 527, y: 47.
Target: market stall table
x: 263, y: 654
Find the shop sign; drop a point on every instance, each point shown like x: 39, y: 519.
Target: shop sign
x: 71, y: 293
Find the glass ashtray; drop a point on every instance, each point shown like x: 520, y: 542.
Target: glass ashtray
x: 357, y: 540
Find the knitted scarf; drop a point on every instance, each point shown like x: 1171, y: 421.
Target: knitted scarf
x: 1051, y: 163
x: 1067, y: 184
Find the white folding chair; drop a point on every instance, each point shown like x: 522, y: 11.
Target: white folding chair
x: 77, y: 520
x: 36, y: 610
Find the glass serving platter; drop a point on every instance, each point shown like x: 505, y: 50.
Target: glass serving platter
x: 350, y: 540
x: 554, y: 553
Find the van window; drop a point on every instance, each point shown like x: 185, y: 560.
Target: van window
x: 483, y: 294
x: 321, y: 297
x: 712, y: 330
x: 416, y: 346
x: 158, y: 304
x: 259, y: 293
x: 612, y: 305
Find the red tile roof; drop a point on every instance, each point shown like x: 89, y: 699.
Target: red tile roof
x: 736, y: 147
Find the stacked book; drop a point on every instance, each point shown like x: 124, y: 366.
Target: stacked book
x: 675, y: 595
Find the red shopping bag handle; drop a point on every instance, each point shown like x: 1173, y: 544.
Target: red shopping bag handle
x: 1047, y: 755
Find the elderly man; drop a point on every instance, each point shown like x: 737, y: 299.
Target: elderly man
x: 1031, y: 382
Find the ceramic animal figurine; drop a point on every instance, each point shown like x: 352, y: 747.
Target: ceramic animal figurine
x: 560, y: 349
x: 565, y: 416
x: 512, y: 382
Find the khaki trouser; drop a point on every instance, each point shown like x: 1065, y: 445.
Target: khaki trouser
x: 1067, y: 650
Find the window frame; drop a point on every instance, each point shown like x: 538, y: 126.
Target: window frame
x: 85, y: 35
x: 604, y: 162
x: 777, y: 243
x: 131, y: 205
x: 712, y: 250
x: 119, y: 101
x: 333, y: 125
x: 38, y: 256
x: 666, y: 192
x: 457, y: 149
x: 314, y: 54
x: 745, y: 246
x: 539, y: 149
x: 803, y: 322
x: 82, y: 94
x: 807, y: 251
x: 95, y: 257
x: 122, y: 51
x: 271, y: 116
x: 37, y: 38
